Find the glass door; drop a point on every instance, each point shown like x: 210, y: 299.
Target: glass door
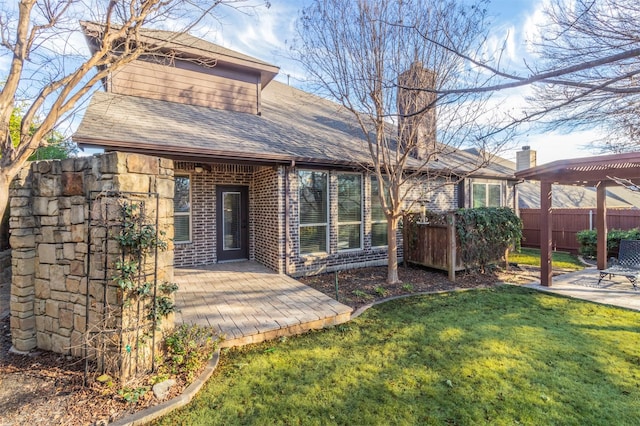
x: 232, y: 218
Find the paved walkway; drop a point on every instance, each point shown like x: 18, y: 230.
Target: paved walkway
x: 584, y: 285
x: 249, y: 303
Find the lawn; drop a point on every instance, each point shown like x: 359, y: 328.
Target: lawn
x: 531, y: 256
x: 506, y: 355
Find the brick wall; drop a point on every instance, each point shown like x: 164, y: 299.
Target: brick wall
x: 265, y: 212
x: 62, y: 266
x: 274, y: 240
x: 269, y: 217
x: 438, y: 195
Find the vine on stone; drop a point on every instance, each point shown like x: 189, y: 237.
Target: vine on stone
x: 138, y: 240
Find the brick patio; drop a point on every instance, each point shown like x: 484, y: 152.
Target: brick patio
x: 249, y: 303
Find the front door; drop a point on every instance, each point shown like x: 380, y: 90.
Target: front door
x: 232, y: 223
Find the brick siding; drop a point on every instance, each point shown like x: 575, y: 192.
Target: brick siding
x: 274, y: 240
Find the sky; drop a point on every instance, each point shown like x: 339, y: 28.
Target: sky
x: 267, y: 34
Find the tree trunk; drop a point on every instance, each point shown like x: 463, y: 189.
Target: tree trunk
x: 392, y: 268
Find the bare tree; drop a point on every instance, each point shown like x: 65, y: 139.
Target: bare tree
x: 393, y: 65
x: 606, y: 94
x: 50, y: 72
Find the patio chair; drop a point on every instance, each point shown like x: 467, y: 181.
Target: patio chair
x: 627, y: 264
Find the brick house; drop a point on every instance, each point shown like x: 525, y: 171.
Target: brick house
x: 263, y: 171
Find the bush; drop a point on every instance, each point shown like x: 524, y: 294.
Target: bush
x: 588, y: 240
x: 188, y: 347
x: 485, y: 233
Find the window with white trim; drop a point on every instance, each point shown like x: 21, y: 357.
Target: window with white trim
x: 378, y: 218
x: 313, y: 211
x: 182, y: 209
x: 349, y: 211
x: 487, y: 195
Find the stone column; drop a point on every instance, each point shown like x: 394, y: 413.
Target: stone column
x: 22, y: 240
x: 61, y: 297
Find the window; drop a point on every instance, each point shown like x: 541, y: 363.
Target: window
x: 182, y: 209
x: 313, y: 211
x: 349, y: 211
x: 487, y: 195
x: 378, y: 218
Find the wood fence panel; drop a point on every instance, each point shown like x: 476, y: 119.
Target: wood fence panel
x: 431, y: 245
x: 566, y: 223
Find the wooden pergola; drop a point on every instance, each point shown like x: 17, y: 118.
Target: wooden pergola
x: 600, y: 172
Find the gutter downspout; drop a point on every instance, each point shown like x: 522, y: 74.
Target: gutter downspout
x: 516, y: 201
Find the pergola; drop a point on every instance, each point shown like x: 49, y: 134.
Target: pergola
x: 600, y: 172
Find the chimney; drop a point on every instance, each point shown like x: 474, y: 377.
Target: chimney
x: 417, y: 132
x: 525, y: 159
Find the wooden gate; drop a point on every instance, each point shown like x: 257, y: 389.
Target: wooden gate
x: 432, y: 243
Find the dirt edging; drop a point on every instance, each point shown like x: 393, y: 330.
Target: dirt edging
x: 149, y: 414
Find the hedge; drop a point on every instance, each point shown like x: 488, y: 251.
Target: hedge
x: 588, y: 240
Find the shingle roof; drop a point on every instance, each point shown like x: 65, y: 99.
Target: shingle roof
x: 294, y: 126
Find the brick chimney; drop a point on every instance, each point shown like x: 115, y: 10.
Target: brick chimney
x: 525, y: 159
x: 417, y: 132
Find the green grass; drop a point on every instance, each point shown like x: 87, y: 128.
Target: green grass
x: 500, y: 356
x: 530, y: 256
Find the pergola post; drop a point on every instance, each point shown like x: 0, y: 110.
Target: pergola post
x: 545, y: 233
x: 601, y: 225
x: 600, y: 171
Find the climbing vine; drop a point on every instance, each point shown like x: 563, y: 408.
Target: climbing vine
x: 138, y: 240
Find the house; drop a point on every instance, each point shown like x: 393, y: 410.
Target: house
x: 263, y: 171
x: 564, y: 196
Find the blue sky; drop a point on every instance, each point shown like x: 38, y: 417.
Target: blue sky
x: 266, y: 34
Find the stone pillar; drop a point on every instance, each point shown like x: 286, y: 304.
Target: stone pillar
x: 52, y: 235
x: 23, y: 243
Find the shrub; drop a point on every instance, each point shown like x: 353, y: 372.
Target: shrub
x: 188, y: 347
x: 485, y: 233
x: 588, y: 240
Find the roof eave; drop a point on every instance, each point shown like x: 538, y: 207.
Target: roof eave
x: 195, y: 154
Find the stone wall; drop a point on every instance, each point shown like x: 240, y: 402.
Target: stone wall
x: 63, y: 254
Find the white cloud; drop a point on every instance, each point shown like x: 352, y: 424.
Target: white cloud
x: 533, y: 26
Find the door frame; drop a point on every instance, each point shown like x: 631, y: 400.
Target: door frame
x: 243, y: 252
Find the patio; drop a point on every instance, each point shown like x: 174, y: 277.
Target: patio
x: 583, y: 284
x: 249, y: 303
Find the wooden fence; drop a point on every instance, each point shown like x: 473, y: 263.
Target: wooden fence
x: 567, y: 222
x: 434, y: 244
